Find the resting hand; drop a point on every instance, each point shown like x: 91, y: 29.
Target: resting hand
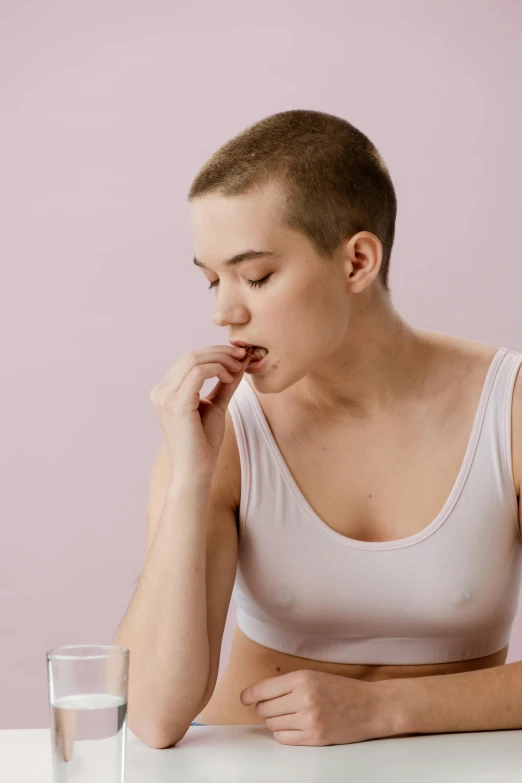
x: 307, y: 707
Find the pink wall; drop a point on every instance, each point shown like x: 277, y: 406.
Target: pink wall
x: 107, y: 110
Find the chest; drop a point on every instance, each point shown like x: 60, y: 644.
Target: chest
x: 381, y: 481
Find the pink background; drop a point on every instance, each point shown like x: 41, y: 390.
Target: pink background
x: 107, y: 112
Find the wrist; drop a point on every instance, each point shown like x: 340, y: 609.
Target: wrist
x: 393, y: 707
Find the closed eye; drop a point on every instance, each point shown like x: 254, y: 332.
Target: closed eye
x: 252, y: 283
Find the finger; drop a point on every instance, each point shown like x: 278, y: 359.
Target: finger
x: 283, y: 705
x: 291, y: 737
x: 223, y: 392
x: 267, y: 689
x: 289, y: 722
x: 178, y: 373
x: 196, y: 358
x: 188, y: 396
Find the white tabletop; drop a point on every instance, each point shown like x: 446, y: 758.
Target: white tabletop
x: 250, y: 754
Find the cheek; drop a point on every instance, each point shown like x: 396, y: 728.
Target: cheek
x: 310, y: 317
x: 322, y: 310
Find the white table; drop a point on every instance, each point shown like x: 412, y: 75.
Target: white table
x: 250, y: 754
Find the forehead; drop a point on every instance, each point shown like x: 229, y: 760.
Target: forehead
x: 225, y: 225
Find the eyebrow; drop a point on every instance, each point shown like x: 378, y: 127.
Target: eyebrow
x: 246, y: 256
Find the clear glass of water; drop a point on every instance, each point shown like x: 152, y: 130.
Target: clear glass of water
x: 88, y: 686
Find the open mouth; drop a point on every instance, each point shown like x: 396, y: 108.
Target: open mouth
x: 257, y: 352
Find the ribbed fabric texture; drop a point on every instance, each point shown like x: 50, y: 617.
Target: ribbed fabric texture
x: 448, y: 593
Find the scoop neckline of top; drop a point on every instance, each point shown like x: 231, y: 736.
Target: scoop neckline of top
x: 452, y: 498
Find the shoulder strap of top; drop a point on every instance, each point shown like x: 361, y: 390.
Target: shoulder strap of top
x: 496, y: 435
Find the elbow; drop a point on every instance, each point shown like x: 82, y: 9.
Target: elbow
x: 158, y: 737
x: 161, y: 741
x: 164, y: 742
x: 160, y: 727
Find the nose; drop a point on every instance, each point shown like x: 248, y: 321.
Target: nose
x: 227, y: 312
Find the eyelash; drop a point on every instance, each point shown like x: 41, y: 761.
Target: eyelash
x: 252, y: 283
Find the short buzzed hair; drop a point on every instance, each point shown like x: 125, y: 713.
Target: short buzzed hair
x: 333, y: 178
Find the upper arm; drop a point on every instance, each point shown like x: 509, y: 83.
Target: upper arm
x: 221, y: 539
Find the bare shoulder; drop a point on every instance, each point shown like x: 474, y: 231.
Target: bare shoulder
x: 516, y: 419
x: 481, y: 354
x: 456, y: 367
x: 467, y: 353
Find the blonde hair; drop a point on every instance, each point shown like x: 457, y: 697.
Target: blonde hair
x: 333, y: 178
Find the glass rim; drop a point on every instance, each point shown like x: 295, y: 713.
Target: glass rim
x: 112, y: 650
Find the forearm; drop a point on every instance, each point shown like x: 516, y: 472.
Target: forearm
x: 165, y: 627
x: 481, y: 700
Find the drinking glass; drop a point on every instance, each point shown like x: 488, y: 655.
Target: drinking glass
x: 88, y: 687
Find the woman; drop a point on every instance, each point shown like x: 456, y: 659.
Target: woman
x: 356, y: 495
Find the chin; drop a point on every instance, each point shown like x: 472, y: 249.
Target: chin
x: 268, y: 382
x: 274, y: 382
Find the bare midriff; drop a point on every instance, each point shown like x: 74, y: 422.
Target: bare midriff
x: 250, y: 662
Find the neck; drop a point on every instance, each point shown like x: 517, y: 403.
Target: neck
x: 380, y: 359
